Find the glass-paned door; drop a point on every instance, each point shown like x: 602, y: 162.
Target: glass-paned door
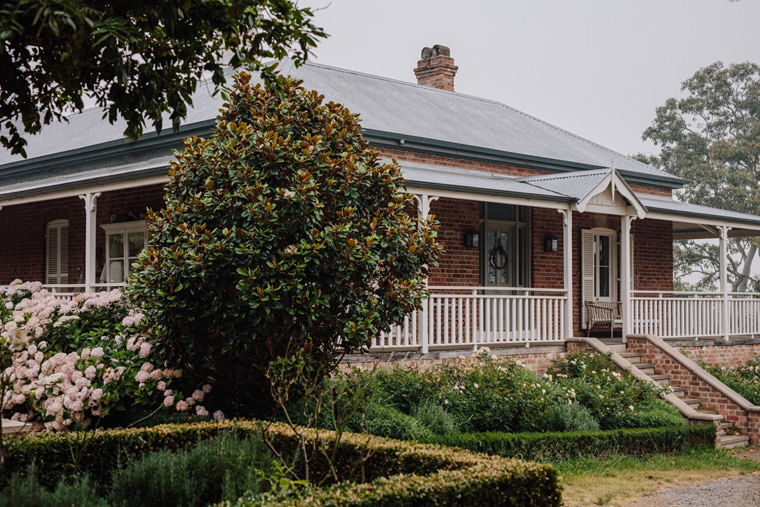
x: 498, y: 261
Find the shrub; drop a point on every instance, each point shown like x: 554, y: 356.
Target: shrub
x: 83, y: 362
x: 565, y: 445
x: 744, y: 379
x: 283, y: 235
x: 573, y: 417
x: 387, y: 421
x: 612, y: 397
x: 435, y: 418
x: 392, y: 472
x: 655, y: 414
x: 214, y: 470
x: 26, y: 491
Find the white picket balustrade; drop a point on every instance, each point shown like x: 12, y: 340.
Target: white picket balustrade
x: 462, y: 317
x: 674, y: 314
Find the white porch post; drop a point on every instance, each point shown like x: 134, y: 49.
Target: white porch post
x: 90, y: 213
x: 625, y: 274
x: 423, y: 211
x: 567, y: 257
x: 723, y: 229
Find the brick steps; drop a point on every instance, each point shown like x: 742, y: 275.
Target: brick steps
x: 727, y: 437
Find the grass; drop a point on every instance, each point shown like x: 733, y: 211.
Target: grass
x: 614, y: 481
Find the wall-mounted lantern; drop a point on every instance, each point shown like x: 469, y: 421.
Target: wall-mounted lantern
x: 472, y: 239
x: 550, y: 244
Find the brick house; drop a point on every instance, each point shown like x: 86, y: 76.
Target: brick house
x: 536, y: 222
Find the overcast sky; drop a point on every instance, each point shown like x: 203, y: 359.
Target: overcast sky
x: 597, y: 68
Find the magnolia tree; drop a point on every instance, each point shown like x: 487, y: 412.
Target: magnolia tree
x: 284, y: 244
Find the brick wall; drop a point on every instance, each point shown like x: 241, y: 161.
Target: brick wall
x: 458, y: 265
x: 22, y: 238
x: 696, y: 387
x: 22, y: 233
x: 729, y: 355
x: 646, y: 189
x: 475, y: 165
x: 547, y: 268
x: 653, y: 255
x: 537, y: 360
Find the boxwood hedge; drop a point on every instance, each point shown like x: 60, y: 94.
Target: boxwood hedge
x: 392, y: 472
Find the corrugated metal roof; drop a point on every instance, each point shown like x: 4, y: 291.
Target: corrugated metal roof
x: 576, y: 184
x: 461, y: 180
x: 385, y: 105
x: 672, y: 207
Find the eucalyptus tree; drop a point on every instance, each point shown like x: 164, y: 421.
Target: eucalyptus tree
x: 711, y: 137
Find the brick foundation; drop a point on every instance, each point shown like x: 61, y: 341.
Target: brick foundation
x: 536, y: 359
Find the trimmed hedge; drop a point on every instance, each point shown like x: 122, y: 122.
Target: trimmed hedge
x: 398, y: 472
x: 571, y: 444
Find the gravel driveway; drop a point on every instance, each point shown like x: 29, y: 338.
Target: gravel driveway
x: 737, y: 492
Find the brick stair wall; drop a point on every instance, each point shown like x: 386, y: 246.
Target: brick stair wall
x: 698, y: 384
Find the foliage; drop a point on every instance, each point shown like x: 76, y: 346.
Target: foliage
x: 614, y: 399
x: 390, y: 422
x: 283, y: 236
x: 83, y: 362
x: 744, y: 379
x: 711, y: 137
x: 395, y: 472
x: 137, y: 59
x: 24, y: 490
x: 556, y: 446
x: 487, y: 394
x: 433, y: 416
x: 214, y: 470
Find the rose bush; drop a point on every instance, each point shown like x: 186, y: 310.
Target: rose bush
x: 84, y: 362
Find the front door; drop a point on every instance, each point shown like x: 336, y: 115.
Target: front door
x: 499, y: 253
x: 600, y: 255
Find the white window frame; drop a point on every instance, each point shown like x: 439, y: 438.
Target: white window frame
x: 57, y: 252
x: 124, y: 229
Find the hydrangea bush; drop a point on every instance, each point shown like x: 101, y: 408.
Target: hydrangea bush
x: 84, y: 362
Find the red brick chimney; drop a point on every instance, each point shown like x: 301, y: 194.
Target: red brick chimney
x: 436, y: 68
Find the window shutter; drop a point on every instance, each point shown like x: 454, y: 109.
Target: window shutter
x: 63, y: 254
x: 52, y: 254
x: 57, y: 270
x: 587, y: 264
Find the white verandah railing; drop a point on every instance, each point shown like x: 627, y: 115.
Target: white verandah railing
x: 67, y: 291
x: 671, y: 314
x: 458, y: 317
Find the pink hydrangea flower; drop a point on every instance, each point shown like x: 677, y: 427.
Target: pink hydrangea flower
x: 201, y: 410
x: 218, y: 415
x: 182, y: 406
x: 169, y: 401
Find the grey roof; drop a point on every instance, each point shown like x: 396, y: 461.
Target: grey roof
x: 672, y: 207
x: 576, y: 184
x: 387, y: 107
x: 461, y: 180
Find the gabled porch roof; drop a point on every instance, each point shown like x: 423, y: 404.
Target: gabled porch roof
x: 576, y: 189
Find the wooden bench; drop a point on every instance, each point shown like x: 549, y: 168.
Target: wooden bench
x: 604, y: 315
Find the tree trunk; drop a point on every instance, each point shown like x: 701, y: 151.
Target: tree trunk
x: 740, y: 285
